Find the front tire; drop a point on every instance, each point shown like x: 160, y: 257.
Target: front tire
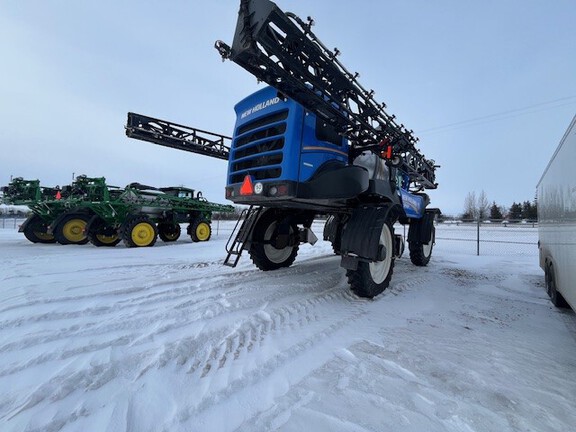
x: 371, y: 279
x: 139, y: 231
x: 265, y: 252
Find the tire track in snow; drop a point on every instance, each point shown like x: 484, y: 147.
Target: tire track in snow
x: 191, y: 310
x: 169, y: 270
x: 182, y: 287
x: 284, y: 321
x: 156, y: 302
x: 289, y: 312
x: 247, y: 338
x: 253, y: 332
x: 259, y: 373
x: 234, y: 299
x: 296, y: 396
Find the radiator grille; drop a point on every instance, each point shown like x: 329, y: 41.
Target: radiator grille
x: 257, y: 148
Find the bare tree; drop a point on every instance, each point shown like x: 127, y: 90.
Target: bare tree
x: 470, y: 208
x: 483, y: 206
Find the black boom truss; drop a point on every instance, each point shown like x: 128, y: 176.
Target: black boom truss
x: 281, y: 50
x: 178, y: 136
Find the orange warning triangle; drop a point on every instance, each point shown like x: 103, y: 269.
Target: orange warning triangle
x: 247, y: 188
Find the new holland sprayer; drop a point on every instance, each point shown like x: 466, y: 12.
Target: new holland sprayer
x: 311, y: 144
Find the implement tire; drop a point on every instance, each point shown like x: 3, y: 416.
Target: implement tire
x: 372, y: 278
x: 72, y: 229
x: 100, y: 234
x: 36, y: 230
x: 139, y: 231
x: 169, y: 232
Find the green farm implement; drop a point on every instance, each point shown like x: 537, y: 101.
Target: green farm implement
x: 142, y: 213
x: 43, y: 202
x: 89, y: 210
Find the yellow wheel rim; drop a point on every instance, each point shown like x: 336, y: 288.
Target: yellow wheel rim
x: 73, y: 230
x: 203, y: 231
x: 106, y: 239
x: 143, y: 234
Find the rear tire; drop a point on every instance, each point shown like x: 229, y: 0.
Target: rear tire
x: 72, y: 229
x: 556, y: 298
x: 139, y: 231
x: 420, y: 253
x: 36, y: 230
x: 371, y: 279
x: 265, y: 255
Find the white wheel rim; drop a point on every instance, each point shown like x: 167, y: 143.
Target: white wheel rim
x: 427, y: 248
x: 379, y: 270
x: 275, y: 255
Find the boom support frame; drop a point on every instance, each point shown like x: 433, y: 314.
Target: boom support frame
x: 280, y: 49
x: 177, y: 136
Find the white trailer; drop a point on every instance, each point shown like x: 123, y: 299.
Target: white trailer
x: 557, y: 222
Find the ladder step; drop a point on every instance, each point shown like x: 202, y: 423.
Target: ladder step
x: 241, y: 233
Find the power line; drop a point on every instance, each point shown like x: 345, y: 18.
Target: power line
x: 568, y: 100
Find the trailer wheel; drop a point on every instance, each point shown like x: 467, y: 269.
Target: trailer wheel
x: 420, y: 253
x: 139, y: 231
x: 265, y: 252
x: 35, y: 231
x: 200, y: 231
x: 556, y: 298
x: 169, y: 232
x: 100, y: 234
x: 71, y: 229
x: 371, y: 279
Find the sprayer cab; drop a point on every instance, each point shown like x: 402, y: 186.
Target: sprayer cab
x: 282, y: 152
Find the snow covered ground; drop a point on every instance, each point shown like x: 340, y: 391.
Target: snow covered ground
x: 168, y: 339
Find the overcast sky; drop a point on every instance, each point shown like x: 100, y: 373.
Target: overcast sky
x: 489, y: 87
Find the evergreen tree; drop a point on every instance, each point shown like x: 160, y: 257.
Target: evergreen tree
x: 495, y: 213
x: 530, y: 211
x: 515, y: 212
x: 526, y: 209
